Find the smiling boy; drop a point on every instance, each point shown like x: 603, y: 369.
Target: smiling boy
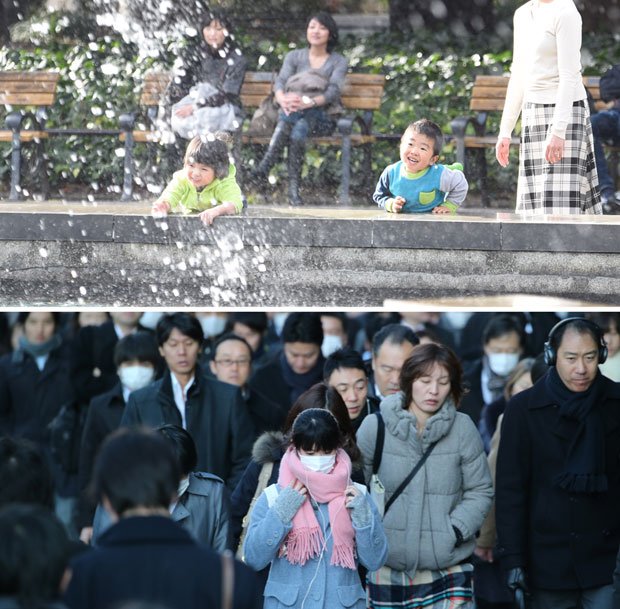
x: 417, y: 183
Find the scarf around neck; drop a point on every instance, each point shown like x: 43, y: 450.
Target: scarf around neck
x: 39, y: 349
x: 298, y: 383
x: 584, y: 467
x: 305, y: 540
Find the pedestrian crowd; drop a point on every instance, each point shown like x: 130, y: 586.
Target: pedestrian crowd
x: 309, y: 460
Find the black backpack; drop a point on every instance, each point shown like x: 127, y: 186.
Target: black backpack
x: 610, y: 84
x: 65, y: 435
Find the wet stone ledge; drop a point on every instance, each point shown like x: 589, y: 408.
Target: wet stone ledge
x: 121, y: 256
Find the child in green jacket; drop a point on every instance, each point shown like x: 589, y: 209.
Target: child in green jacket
x: 206, y: 184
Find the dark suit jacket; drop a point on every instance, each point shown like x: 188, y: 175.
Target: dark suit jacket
x: 563, y: 540
x: 472, y: 402
x: 153, y: 559
x: 216, y: 418
x: 30, y: 398
x: 103, y: 416
x: 92, y: 362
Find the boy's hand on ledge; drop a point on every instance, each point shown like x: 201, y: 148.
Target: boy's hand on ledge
x: 442, y: 209
x: 160, y: 208
x: 395, y: 205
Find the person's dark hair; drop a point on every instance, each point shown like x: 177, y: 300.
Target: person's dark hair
x: 605, y: 320
x: 340, y: 317
x: 420, y: 363
x: 303, y: 328
x: 229, y: 336
x: 183, y: 445
x: 140, y: 346
x: 580, y: 326
x: 343, y: 358
x: 396, y: 334
x: 500, y: 325
x: 216, y: 15
x: 34, y: 553
x: 211, y: 151
x: 185, y: 323
x: 257, y: 321
x: 23, y: 316
x: 136, y: 468
x: 539, y: 368
x: 25, y: 476
x: 430, y: 130
x: 523, y: 367
x: 316, y: 429
x: 326, y: 20
x: 321, y: 395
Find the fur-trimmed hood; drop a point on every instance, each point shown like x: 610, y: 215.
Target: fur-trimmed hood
x: 269, y: 446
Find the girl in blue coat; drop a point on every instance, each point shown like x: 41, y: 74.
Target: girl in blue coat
x: 314, y: 524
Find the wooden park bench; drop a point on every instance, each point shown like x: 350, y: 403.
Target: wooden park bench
x: 27, y: 94
x: 361, y: 96
x: 488, y: 96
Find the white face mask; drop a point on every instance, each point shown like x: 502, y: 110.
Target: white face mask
x: 330, y: 344
x: 318, y: 463
x: 456, y: 319
x: 212, y: 325
x: 503, y: 363
x: 136, y: 377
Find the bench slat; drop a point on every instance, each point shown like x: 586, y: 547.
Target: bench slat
x: 24, y: 136
x: 27, y: 99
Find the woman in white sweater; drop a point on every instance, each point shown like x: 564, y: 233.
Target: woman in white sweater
x: 557, y: 171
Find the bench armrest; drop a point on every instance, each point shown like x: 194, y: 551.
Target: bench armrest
x: 344, y: 125
x: 14, y: 120
x: 459, y: 126
x: 127, y: 121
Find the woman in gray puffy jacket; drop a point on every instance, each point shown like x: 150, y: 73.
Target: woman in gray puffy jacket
x: 432, y: 523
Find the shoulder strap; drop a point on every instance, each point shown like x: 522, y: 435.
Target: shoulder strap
x: 376, y: 459
x: 409, y: 478
x: 228, y: 579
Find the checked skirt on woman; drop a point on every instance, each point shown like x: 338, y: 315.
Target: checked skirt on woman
x: 444, y: 589
x: 567, y: 187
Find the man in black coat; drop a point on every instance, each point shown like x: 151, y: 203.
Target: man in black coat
x: 299, y: 364
x: 212, y: 412
x: 232, y: 363
x: 92, y: 360
x: 145, y: 556
x: 558, y: 476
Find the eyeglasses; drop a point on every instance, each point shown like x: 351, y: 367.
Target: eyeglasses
x: 228, y: 363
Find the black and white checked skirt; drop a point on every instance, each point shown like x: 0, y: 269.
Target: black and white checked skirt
x: 567, y: 187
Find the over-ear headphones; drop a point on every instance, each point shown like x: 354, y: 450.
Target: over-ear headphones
x: 550, y: 352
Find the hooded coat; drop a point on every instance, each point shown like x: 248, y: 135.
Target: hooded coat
x: 452, y: 489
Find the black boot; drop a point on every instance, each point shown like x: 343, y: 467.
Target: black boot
x: 278, y: 140
x: 296, y: 154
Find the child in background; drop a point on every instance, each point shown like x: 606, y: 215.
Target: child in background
x: 417, y: 183
x: 206, y: 184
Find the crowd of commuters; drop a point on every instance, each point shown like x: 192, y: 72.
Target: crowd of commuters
x: 341, y: 456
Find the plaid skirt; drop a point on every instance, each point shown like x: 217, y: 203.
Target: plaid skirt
x: 445, y: 589
x: 567, y: 187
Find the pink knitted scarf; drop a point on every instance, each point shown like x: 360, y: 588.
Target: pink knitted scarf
x: 305, y: 540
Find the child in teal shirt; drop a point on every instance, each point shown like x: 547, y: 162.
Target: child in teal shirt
x: 417, y: 183
x: 206, y: 184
